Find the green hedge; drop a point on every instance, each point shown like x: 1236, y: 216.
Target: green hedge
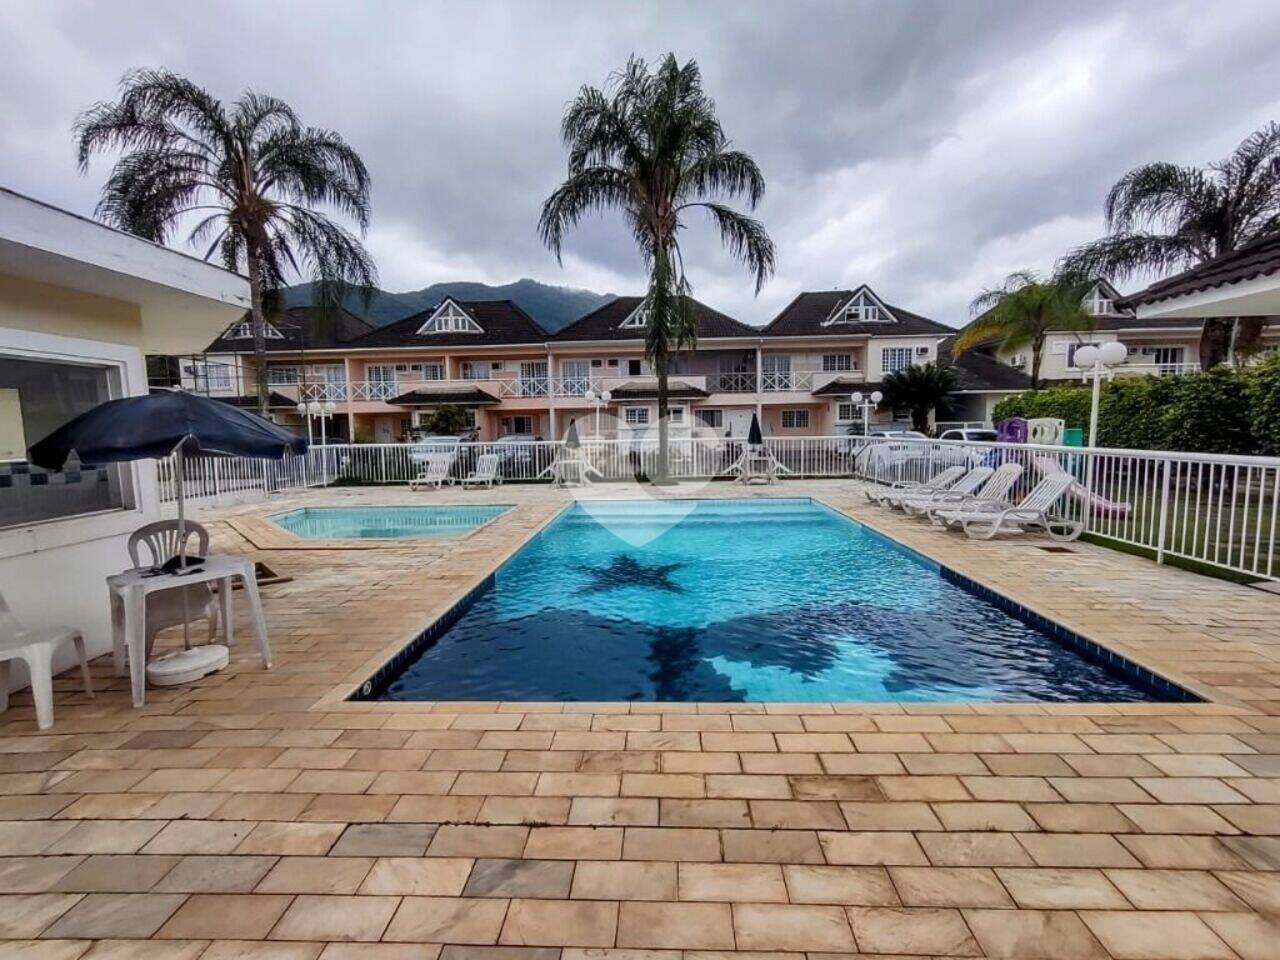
x: 1221, y: 411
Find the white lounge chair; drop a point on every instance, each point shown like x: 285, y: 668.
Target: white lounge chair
x: 894, y: 492
x: 35, y: 647
x: 756, y: 464
x: 434, y: 471
x: 995, y: 492
x: 982, y: 522
x: 485, y: 472
x: 915, y: 502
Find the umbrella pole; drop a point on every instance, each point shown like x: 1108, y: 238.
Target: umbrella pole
x: 180, y: 468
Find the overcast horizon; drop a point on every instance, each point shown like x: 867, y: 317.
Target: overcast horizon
x: 927, y: 149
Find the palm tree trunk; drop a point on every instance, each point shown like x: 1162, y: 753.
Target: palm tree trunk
x: 1214, y: 342
x: 259, y: 332
x: 1035, y: 366
x: 661, y: 473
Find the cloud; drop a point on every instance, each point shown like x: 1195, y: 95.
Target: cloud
x: 927, y: 148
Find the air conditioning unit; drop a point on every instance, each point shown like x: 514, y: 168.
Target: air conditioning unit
x: 613, y: 362
x: 597, y: 363
x: 402, y: 368
x: 1018, y: 360
x: 922, y: 351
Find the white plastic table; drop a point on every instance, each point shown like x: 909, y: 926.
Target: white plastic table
x: 129, y: 591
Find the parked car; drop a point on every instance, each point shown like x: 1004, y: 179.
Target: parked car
x: 947, y: 455
x: 520, y: 456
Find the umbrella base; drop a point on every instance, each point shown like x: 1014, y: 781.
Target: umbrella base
x: 187, y: 666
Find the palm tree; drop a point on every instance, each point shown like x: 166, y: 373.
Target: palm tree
x: 651, y: 146
x: 1021, y: 313
x: 920, y: 389
x: 1162, y: 217
x: 249, y: 175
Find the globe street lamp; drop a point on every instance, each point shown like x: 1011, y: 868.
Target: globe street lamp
x: 1097, y: 361
x: 600, y: 401
x: 868, y: 404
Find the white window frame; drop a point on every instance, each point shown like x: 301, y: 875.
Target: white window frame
x: 863, y: 307
x: 637, y: 319
x: 848, y: 412
x: 511, y: 424
x: 130, y: 380
x: 433, y: 370
x: 706, y: 414
x: 636, y: 416
x: 890, y: 357
x: 244, y: 331
x: 799, y: 418
x: 275, y: 373
x: 837, y: 362
x: 449, y: 317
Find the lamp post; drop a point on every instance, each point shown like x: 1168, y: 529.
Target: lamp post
x: 1097, y: 361
x: 305, y: 413
x: 600, y: 401
x: 868, y: 404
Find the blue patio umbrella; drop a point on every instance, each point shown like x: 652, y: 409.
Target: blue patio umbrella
x: 754, y: 437
x: 168, y: 422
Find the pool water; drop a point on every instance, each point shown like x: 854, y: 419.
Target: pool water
x: 749, y: 600
x: 388, y: 523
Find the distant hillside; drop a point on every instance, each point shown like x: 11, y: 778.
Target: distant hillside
x: 553, y: 307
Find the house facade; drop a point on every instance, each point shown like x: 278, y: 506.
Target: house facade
x: 80, y: 306
x: 799, y: 373
x: 1158, y: 346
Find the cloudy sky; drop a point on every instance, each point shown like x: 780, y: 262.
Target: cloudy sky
x: 926, y: 148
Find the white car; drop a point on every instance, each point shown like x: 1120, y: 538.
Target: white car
x: 966, y: 456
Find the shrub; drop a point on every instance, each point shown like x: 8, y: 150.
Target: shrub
x: 1070, y: 404
x: 1263, y: 388
x: 1224, y: 410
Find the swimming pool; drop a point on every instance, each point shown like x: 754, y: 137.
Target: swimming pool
x: 737, y: 600
x: 387, y: 523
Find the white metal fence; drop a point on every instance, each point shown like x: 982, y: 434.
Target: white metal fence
x: 1212, y: 509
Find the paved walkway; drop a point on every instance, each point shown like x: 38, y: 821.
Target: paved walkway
x: 256, y: 814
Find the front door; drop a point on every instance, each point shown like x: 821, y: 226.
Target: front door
x: 533, y: 378
x: 738, y: 421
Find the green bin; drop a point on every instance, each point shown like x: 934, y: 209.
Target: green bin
x: 1073, y: 437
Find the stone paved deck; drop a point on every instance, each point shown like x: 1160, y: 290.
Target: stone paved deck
x: 256, y: 814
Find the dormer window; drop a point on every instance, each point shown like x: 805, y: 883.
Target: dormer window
x: 862, y: 307
x: 244, y: 331
x: 449, y: 318
x: 637, y: 319
x: 1097, y: 303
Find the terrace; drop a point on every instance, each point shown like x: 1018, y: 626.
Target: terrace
x: 262, y: 810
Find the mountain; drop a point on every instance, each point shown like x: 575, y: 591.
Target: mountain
x: 553, y: 307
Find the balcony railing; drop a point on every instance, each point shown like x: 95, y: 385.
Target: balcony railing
x: 1148, y: 369
x: 786, y: 382
x: 732, y: 382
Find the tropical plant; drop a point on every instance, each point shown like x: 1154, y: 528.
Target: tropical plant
x: 650, y: 145
x: 1162, y: 217
x: 1021, y: 313
x: 446, y: 419
x: 248, y: 175
x: 922, y: 389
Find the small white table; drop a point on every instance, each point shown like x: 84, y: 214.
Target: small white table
x: 129, y: 592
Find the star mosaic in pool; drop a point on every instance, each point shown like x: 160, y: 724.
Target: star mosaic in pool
x: 722, y: 600
x: 626, y: 571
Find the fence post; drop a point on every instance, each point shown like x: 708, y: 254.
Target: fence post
x: 1164, y: 511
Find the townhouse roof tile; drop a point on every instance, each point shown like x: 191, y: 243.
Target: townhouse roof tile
x: 299, y: 328
x: 605, y: 323
x: 808, y: 315
x: 500, y: 322
x: 1261, y: 258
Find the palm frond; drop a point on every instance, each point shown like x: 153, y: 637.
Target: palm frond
x: 746, y: 238
x: 1122, y: 256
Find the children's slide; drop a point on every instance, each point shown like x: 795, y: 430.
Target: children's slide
x: 1098, y: 505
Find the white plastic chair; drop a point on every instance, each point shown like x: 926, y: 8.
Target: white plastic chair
x: 994, y: 493
x: 166, y: 608
x: 485, y: 472
x: 36, y: 647
x: 434, y: 472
